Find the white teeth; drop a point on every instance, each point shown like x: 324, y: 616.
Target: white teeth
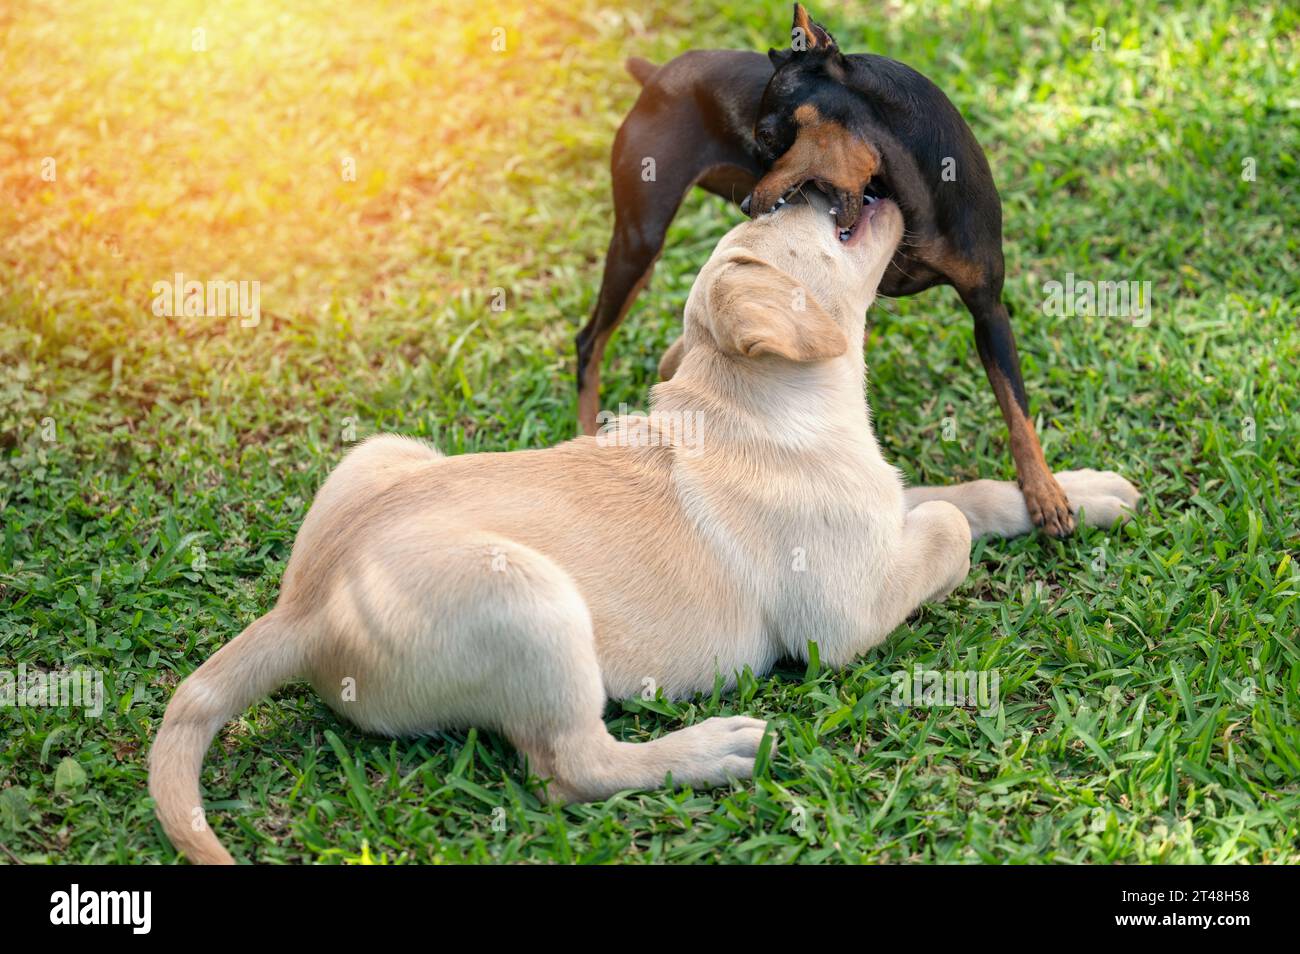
x: 844, y: 234
x: 780, y: 202
x: 868, y: 199
x: 835, y: 211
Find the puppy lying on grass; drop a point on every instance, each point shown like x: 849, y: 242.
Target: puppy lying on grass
x: 518, y: 591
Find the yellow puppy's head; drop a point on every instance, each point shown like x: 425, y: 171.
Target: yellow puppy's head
x: 791, y: 286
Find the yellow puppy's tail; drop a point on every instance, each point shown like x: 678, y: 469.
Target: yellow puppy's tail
x: 259, y: 660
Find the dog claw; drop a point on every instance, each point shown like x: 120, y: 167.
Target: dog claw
x: 1048, y: 506
x: 1058, y: 523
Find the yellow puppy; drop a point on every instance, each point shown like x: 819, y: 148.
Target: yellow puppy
x: 518, y: 591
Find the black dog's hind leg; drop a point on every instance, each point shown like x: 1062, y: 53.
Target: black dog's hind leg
x: 628, y: 264
x: 647, y: 195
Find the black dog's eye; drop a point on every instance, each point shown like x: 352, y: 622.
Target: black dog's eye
x: 766, y: 136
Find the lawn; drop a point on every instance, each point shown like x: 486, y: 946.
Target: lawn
x: 388, y: 176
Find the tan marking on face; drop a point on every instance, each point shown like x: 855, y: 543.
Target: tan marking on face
x: 824, y: 152
x: 807, y: 115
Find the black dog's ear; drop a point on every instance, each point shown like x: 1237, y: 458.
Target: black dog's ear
x: 779, y: 57
x: 807, y: 34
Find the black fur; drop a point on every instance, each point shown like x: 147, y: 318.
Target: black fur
x: 720, y: 119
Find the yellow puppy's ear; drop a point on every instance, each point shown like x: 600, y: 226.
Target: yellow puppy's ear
x: 756, y: 309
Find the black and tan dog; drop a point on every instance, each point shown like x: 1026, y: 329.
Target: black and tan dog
x: 856, y: 126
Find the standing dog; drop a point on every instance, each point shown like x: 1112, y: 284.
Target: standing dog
x: 858, y: 126
x: 518, y: 591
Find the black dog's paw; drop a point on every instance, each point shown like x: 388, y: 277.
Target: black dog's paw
x: 1049, y: 509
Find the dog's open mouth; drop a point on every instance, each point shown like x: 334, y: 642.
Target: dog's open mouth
x: 847, y: 236
x: 848, y: 214
x: 874, y: 190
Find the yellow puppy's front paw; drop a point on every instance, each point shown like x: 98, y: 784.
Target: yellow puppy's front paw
x: 1104, y: 497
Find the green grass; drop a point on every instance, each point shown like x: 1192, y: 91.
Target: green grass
x: 1149, y: 676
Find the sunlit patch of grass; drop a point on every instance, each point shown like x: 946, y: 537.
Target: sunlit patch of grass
x: 1150, y: 705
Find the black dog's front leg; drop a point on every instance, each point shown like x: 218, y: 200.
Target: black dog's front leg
x: 1046, y: 501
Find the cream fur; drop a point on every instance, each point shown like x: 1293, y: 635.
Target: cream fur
x: 518, y: 591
